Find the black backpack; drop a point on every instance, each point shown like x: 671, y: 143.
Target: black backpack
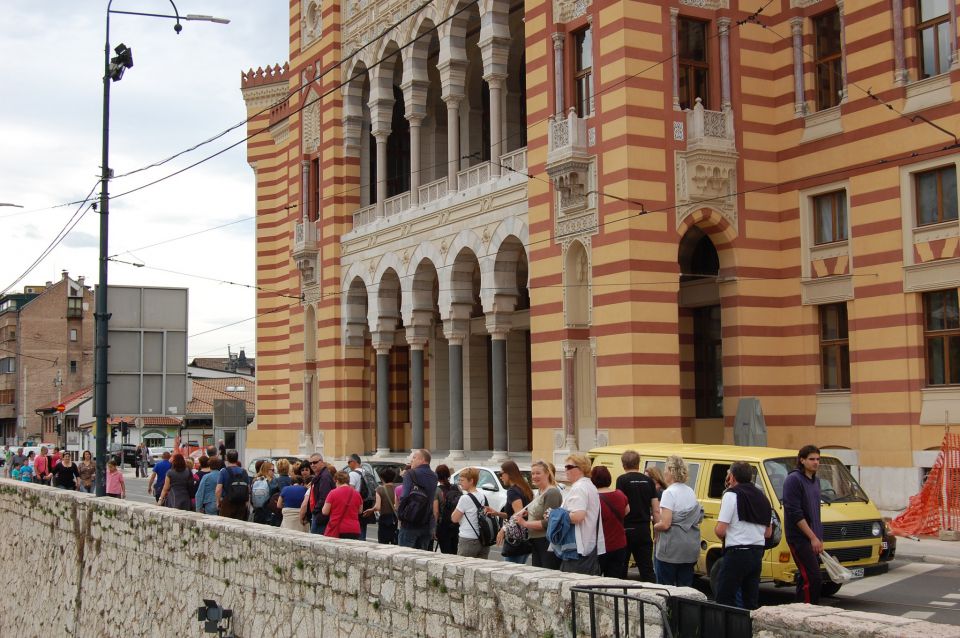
x: 237, y: 488
x: 487, y: 526
x: 448, y: 503
x: 416, y: 508
x: 368, y: 488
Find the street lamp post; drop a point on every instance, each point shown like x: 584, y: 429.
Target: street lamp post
x: 113, y: 69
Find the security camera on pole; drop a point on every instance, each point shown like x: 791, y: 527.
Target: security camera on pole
x: 113, y: 68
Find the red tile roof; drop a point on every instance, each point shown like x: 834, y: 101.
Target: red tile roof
x: 147, y: 420
x: 206, y: 390
x: 71, y: 401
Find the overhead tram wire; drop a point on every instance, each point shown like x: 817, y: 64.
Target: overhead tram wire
x: 204, y: 277
x: 291, y: 93
x: 188, y: 235
x: 61, y: 235
x: 306, y: 103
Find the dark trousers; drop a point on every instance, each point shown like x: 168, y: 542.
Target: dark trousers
x: 640, y: 546
x: 416, y: 537
x: 448, y: 538
x: 808, y: 571
x: 387, y: 529
x: 740, y: 570
x: 614, y: 564
x: 542, y: 556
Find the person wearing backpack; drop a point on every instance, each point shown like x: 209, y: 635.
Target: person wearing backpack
x: 477, y: 530
x: 415, y: 508
x: 233, y: 489
x: 366, y: 486
x: 311, y: 510
x: 385, y: 505
x: 448, y: 496
x: 263, y: 488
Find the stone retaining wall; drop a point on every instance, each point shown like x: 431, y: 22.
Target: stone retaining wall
x: 802, y: 621
x: 119, y: 568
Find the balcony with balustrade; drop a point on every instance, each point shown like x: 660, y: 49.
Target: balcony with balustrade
x: 474, y: 182
x: 305, y: 249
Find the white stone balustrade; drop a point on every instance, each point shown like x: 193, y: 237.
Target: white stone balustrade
x: 710, y: 130
x: 514, y: 162
x: 396, y: 204
x: 433, y: 191
x: 566, y: 133
x: 364, y: 216
x: 304, y: 237
x: 473, y: 176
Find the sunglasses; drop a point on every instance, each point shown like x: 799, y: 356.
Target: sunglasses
x: 571, y: 467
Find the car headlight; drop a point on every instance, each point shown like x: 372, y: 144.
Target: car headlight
x: 876, y: 529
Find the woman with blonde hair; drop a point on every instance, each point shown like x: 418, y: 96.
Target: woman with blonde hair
x: 678, y: 543
x: 262, y: 489
x: 535, y: 521
x: 469, y: 510
x: 582, y: 502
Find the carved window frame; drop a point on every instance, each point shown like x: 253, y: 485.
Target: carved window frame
x: 938, y: 273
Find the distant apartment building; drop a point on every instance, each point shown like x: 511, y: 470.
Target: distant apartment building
x: 525, y: 228
x: 46, y: 353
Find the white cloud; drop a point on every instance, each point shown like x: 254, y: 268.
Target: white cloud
x: 181, y: 90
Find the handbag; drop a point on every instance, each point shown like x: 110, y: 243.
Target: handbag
x: 516, y: 539
x: 837, y: 572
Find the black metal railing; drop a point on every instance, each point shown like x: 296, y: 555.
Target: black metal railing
x: 609, y: 611
x: 622, y: 612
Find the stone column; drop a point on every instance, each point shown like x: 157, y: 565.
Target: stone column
x: 569, y: 396
x: 453, y: 140
x: 305, y: 191
x: 415, y: 121
x: 306, y: 446
x: 675, y: 60
x: 381, y: 137
x: 416, y: 391
x: 383, y: 400
x: 558, y: 39
x: 495, y: 84
x: 455, y: 332
x: 498, y: 357
x: 899, y: 57
x: 799, y: 101
x: 723, y: 25
x: 843, y: 54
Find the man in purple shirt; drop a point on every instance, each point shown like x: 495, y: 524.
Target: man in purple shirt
x: 802, y: 526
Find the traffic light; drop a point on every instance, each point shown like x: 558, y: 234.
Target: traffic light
x: 113, y: 434
x: 124, y: 429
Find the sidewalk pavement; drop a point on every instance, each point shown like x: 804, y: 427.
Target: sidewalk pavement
x: 928, y: 550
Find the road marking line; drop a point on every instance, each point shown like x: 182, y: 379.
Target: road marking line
x: 902, y: 572
x: 918, y: 615
x: 942, y: 603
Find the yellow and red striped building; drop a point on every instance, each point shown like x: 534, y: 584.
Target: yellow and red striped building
x: 521, y: 228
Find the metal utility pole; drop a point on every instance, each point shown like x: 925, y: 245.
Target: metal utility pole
x: 61, y: 435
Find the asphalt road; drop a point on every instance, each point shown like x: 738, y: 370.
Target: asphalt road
x: 914, y: 590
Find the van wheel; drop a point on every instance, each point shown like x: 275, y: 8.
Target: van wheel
x: 829, y: 588
x: 715, y: 576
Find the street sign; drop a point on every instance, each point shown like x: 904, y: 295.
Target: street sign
x: 147, y: 358
x: 61, y: 408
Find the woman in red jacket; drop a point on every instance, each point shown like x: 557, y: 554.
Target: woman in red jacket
x: 343, y: 506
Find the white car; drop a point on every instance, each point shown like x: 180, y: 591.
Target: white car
x: 489, y: 483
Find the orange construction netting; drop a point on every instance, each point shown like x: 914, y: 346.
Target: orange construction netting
x: 937, y: 506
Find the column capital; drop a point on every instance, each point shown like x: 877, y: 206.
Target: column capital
x: 382, y: 341
x: 796, y: 25
x: 415, y: 119
x: 724, y: 22
x: 674, y: 14
x: 569, y: 350
x: 455, y: 330
x: 453, y: 100
x: 558, y: 40
x: 498, y: 325
x: 495, y: 80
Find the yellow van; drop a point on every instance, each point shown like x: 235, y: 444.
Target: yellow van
x: 852, y: 525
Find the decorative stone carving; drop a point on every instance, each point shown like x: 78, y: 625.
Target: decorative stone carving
x: 567, y: 10
x: 706, y: 172
x: 569, y: 164
x: 304, y: 251
x: 311, y: 126
x: 707, y: 4
x: 310, y: 22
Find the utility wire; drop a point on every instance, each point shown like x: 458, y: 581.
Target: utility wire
x: 20, y: 354
x: 213, y: 279
x: 173, y: 239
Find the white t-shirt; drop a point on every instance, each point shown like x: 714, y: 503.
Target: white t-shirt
x: 355, y: 478
x: 678, y: 497
x: 583, y: 496
x: 738, y: 532
x: 469, y: 523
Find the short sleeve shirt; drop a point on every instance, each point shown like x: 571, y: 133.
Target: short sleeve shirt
x: 738, y: 532
x: 583, y: 496
x: 469, y: 524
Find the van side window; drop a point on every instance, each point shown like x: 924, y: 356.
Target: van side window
x: 718, y: 479
x: 693, y: 469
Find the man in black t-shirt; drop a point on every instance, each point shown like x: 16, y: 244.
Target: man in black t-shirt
x: 644, y: 507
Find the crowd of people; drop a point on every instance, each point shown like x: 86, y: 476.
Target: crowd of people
x: 592, y: 525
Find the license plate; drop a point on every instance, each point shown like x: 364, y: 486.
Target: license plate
x: 884, y: 545
x: 856, y: 571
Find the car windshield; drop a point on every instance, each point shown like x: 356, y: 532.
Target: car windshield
x: 837, y: 485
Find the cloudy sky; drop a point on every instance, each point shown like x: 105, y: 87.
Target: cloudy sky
x: 183, y: 89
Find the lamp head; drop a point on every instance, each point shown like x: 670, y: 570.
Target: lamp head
x: 120, y: 63
x: 178, y: 27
